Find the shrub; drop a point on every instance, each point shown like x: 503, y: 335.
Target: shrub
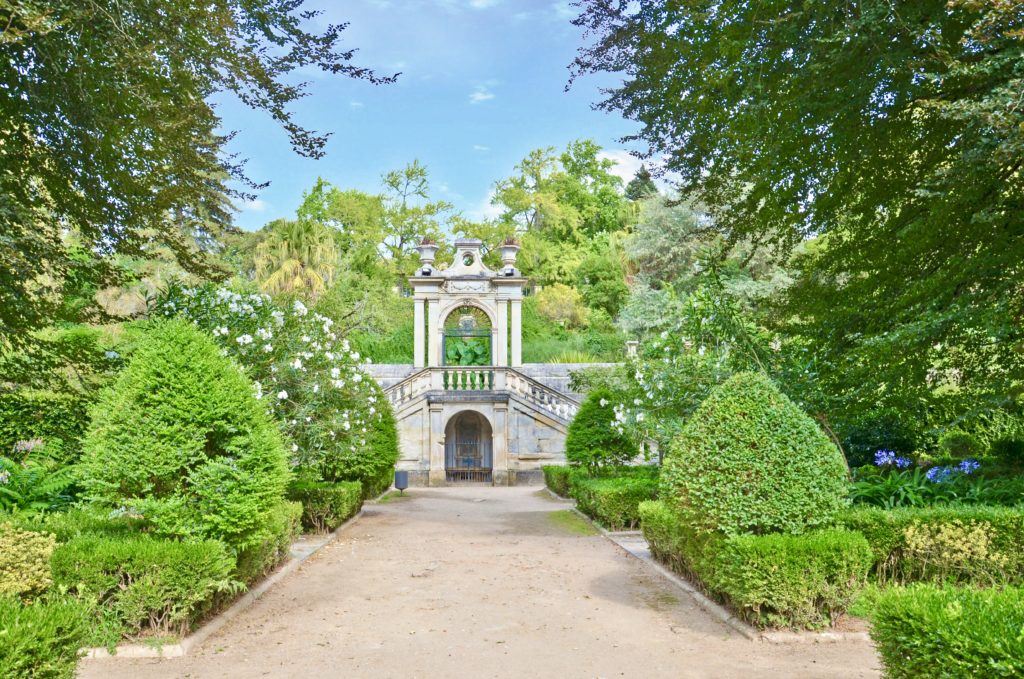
x: 144, y: 584
x: 325, y: 506
x: 613, y: 502
x: 925, y: 632
x: 274, y: 545
x: 750, y: 461
x: 592, y: 442
x: 24, y: 562
x: 959, y: 445
x: 79, y: 521
x: 336, y: 418
x: 563, y: 305
x: 881, y: 429
x: 556, y: 477
x: 60, y: 420
x: 180, y: 439
x: 772, y: 580
x: 971, y: 544
x: 41, y: 639
x: 1008, y: 450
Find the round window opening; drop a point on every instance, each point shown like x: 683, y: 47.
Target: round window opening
x: 467, y: 259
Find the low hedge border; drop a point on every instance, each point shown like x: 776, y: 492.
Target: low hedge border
x: 980, y: 545
x: 42, y: 639
x: 613, y: 502
x: 791, y: 581
x: 926, y: 632
x: 325, y: 506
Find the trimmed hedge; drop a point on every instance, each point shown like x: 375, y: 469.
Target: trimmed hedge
x: 325, y: 506
x: 558, y: 479
x: 24, y: 562
x: 41, y: 639
x: 283, y: 527
x: 77, y: 522
x: 181, y: 439
x: 924, y: 632
x: 975, y: 544
x: 143, y: 584
x: 591, y: 441
x: 613, y: 502
x: 800, y: 581
x: 750, y: 461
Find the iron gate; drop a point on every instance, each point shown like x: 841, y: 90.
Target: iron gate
x: 468, y: 456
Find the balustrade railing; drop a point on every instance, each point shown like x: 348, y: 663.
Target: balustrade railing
x: 467, y: 379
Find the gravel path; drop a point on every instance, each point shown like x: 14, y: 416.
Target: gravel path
x: 482, y: 582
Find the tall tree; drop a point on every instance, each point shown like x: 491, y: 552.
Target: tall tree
x: 410, y: 213
x: 891, y: 130
x: 109, y: 132
x: 299, y: 257
x: 641, y: 185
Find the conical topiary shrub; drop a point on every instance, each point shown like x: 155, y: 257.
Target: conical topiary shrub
x: 181, y: 438
x: 592, y: 441
x: 750, y: 461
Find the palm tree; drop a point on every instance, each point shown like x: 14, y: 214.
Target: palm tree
x: 297, y: 257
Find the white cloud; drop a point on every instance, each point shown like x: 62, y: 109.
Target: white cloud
x: 484, y: 210
x: 626, y: 165
x: 254, y: 205
x: 356, y: 104
x: 480, y: 148
x: 480, y: 94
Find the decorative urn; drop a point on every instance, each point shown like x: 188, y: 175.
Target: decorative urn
x: 507, y: 251
x: 428, y: 252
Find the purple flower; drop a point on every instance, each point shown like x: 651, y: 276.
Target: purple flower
x: 884, y: 457
x: 968, y: 466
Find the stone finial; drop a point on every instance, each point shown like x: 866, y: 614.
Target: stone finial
x: 428, y: 252
x: 508, y: 251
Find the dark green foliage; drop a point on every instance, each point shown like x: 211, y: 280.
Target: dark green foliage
x: 80, y: 521
x: 750, y: 461
x: 877, y: 430
x: 325, y: 506
x: 613, y: 501
x: 557, y: 478
x: 911, y: 487
x: 41, y: 641
x: 641, y: 185
x: 1008, y: 450
x: 39, y: 483
x: 801, y: 581
x: 282, y: 529
x: 60, y: 420
x: 959, y: 445
x: 592, y: 441
x: 926, y: 632
x: 972, y: 545
x: 113, y: 146
x: 143, y: 584
x: 181, y: 439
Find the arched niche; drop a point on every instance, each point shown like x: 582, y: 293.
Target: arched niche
x: 468, y: 447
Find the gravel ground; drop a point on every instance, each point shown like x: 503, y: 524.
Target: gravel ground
x: 483, y: 582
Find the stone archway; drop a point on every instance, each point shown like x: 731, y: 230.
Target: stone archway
x: 468, y: 448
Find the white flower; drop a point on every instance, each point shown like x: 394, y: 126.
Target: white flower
x: 300, y: 308
x: 637, y: 402
x: 268, y: 347
x: 357, y: 378
x: 305, y: 338
x: 316, y: 388
x: 244, y: 339
x: 345, y: 425
x: 338, y: 384
x: 604, y: 402
x: 776, y: 345
x: 700, y: 351
x: 355, y: 355
x: 259, y: 390
x: 295, y: 448
x: 297, y: 364
x: 278, y: 317
x: 221, y: 331
x: 282, y: 395
x: 335, y: 373
x: 372, y: 410
x: 639, y: 417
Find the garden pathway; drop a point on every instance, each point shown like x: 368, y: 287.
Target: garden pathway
x: 482, y: 582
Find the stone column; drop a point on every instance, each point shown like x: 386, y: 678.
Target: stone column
x: 437, y: 475
x: 499, y: 450
x: 517, y: 333
x: 501, y: 345
x: 433, y: 333
x: 419, y: 341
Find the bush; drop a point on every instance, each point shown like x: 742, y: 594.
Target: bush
x: 141, y: 584
x: 772, y: 580
x: 924, y: 632
x: 971, y: 545
x: 180, y: 439
x: 592, y: 442
x: 750, y: 461
x: 337, y: 420
x: 613, y: 502
x: 274, y: 546
x: 1008, y: 450
x: 38, y: 483
x: 41, y: 639
x: 557, y: 478
x: 563, y: 305
x: 24, y: 562
x: 960, y: 445
x: 325, y: 506
x: 79, y: 521
x: 59, y: 420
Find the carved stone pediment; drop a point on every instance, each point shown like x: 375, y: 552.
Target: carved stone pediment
x: 461, y: 287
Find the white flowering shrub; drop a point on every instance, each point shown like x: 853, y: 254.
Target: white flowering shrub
x: 338, y: 424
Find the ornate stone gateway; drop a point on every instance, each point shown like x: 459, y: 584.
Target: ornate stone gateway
x: 468, y: 409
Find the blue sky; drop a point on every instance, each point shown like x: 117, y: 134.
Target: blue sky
x: 482, y: 84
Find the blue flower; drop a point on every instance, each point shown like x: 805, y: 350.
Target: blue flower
x: 939, y: 474
x: 902, y: 462
x: 884, y: 457
x: 968, y: 466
